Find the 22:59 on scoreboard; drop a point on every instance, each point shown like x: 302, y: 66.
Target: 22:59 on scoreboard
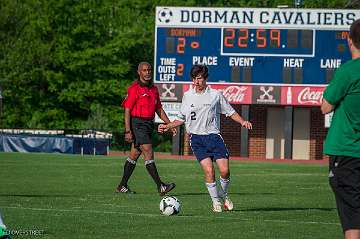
x: 252, y: 46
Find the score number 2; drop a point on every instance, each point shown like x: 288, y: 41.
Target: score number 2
x: 180, y: 69
x: 180, y: 48
x: 242, y: 41
x: 181, y: 42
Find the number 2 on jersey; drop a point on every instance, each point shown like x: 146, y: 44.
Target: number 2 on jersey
x: 193, y: 115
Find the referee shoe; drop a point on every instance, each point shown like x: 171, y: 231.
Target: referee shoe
x: 123, y: 189
x: 165, y: 188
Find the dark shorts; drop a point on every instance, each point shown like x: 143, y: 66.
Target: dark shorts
x: 208, y: 146
x: 142, y: 131
x: 344, y: 179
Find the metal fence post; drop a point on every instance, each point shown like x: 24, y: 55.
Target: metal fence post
x: 94, y: 141
x: 82, y: 143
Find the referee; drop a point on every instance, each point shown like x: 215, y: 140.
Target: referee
x: 140, y: 105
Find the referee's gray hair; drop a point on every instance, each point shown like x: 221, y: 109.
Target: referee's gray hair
x: 143, y: 63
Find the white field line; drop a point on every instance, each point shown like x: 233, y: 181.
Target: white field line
x: 232, y: 219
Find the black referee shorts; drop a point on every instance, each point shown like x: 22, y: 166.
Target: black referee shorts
x: 344, y: 179
x: 142, y: 130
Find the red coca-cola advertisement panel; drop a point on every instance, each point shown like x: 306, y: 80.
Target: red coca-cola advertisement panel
x: 302, y: 95
x: 235, y: 94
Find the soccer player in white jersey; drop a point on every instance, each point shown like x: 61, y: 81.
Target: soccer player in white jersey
x: 200, y: 111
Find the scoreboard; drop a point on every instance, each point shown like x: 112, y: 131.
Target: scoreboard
x: 251, y: 46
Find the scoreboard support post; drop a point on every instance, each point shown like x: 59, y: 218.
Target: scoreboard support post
x: 177, y: 141
x: 289, y: 115
x: 244, y: 143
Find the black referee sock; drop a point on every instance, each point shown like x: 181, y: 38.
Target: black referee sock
x: 151, y: 168
x: 128, y: 170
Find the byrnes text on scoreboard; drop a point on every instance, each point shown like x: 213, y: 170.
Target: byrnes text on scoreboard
x: 252, y: 45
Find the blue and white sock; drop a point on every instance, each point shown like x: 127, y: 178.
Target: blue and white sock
x: 224, y: 183
x: 211, y: 187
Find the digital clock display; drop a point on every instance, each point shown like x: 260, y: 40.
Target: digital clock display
x: 269, y: 42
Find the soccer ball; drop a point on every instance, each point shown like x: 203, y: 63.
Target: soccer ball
x: 165, y: 15
x: 170, y: 205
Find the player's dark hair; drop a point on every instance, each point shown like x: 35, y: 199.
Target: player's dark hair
x: 197, y: 70
x: 355, y: 33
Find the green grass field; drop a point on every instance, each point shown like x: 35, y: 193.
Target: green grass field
x: 68, y: 196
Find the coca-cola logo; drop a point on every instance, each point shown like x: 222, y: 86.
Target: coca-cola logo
x: 234, y: 94
x: 308, y: 96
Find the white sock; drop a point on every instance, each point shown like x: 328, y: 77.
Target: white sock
x: 2, y: 223
x: 211, y: 187
x: 130, y: 160
x: 224, y: 182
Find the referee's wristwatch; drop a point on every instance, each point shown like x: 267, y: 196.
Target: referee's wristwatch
x: 128, y: 131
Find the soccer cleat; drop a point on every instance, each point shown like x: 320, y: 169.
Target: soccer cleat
x: 228, y: 204
x: 165, y: 188
x: 123, y: 189
x: 217, y: 207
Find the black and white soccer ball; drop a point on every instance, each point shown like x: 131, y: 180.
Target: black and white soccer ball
x: 170, y: 205
x: 165, y: 15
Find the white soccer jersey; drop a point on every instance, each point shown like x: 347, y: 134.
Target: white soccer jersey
x: 201, y: 111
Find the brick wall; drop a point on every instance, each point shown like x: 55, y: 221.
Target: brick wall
x: 231, y: 132
x: 187, y: 148
x: 317, y: 134
x: 257, y: 136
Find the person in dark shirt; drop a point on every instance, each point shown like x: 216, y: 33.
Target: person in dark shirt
x: 342, y: 144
